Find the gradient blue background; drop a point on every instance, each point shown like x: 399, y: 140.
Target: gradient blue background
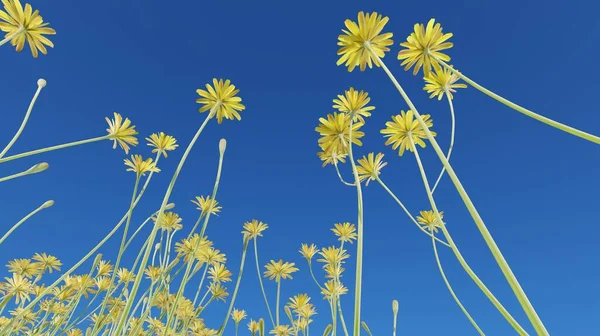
x: 535, y: 187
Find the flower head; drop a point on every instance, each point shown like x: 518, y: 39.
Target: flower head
x: 429, y: 220
x: 238, y: 315
x: 218, y: 291
x: 279, y: 270
x: 218, y: 273
x: 121, y: 132
x: 335, y: 132
x: 207, y: 204
x: 424, y: 46
x: 354, y: 102
x: 442, y: 81
x: 25, y: 25
x: 403, y: 129
x: 369, y: 167
x: 140, y: 166
x: 308, y: 251
x: 254, y: 228
x: 221, y: 97
x: 346, y: 232
x: 25, y: 267
x: 332, y: 156
x: 356, y: 41
x: 333, y: 289
x: 47, y: 262
x: 162, y: 143
x: 282, y: 330
x: 169, y: 221
x: 253, y: 327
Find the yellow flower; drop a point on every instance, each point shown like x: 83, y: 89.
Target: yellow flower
x: 252, y: 326
x: 162, y: 143
x: 153, y: 273
x: 333, y: 255
x: 354, y: 103
x: 353, y: 43
x: 169, y: 221
x: 206, y: 204
x: 404, y: 127
x: 308, y: 252
x: 238, y: 315
x: 442, y: 81
x: 17, y: 287
x: 335, y: 132
x: 333, y: 289
x: 74, y: 332
x: 297, y: 302
x: 219, y: 273
x: 104, y: 268
x: 26, y: 25
x: 221, y: 96
x: 47, y: 262
x: 140, y: 166
x: 218, y: 291
x: 24, y: 267
x: 423, y: 46
x: 369, y: 167
x: 121, y: 132
x: 429, y: 220
x: 279, y: 270
x: 282, y: 330
x: 346, y: 232
x: 332, y: 156
x: 102, y: 283
x: 125, y: 275
x: 254, y: 228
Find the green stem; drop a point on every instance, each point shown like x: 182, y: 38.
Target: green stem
x: 340, y: 176
x: 489, y: 240
x: 260, y: 281
x: 48, y: 149
x: 277, y: 301
x: 200, y: 285
x: 38, y: 168
x: 237, y: 285
x: 43, y: 206
x: 464, y: 310
x: 531, y: 114
x: 339, y: 306
x: 451, y: 142
x: 313, y: 275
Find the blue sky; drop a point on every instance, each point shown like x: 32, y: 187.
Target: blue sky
x: 535, y: 187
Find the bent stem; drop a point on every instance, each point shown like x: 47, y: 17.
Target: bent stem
x: 48, y: 149
x: 237, y: 285
x: 518, y: 108
x: 464, y: 310
x: 457, y: 253
x: 41, y: 207
x: 340, y: 176
x: 451, y: 141
x: 260, y: 281
x: 489, y: 240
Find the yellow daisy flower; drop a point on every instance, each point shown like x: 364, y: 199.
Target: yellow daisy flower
x: 333, y: 255
x: 17, y: 287
x: 162, y: 143
x: 140, y: 166
x: 25, y: 25
x: 218, y: 291
x: 335, y: 132
x: 404, y: 127
x: 47, y: 262
x: 282, y: 330
x: 238, y: 315
x: 254, y: 228
x: 253, y: 327
x: 346, y: 232
x: 353, y: 42
x: 423, y: 46
x: 222, y: 97
x: 354, y: 102
x: 369, y: 167
x: 24, y: 267
x: 308, y: 251
x: 297, y: 302
x: 104, y: 268
x: 169, y: 221
x: 206, y: 204
x: 121, y: 132
x: 153, y: 273
x: 442, y: 81
x: 279, y: 270
x: 218, y: 273
x: 333, y: 289
x: 332, y: 157
x: 429, y: 220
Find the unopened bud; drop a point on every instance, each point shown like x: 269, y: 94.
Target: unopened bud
x: 38, y: 168
x: 41, y: 82
x: 395, y: 307
x: 169, y: 206
x: 222, y: 146
x: 47, y: 204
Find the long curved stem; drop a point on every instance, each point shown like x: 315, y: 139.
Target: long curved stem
x: 518, y: 108
x: 260, y: 281
x: 409, y: 214
x: 52, y: 148
x: 340, y: 176
x: 489, y: 240
x: 464, y: 310
x: 237, y: 286
x: 40, y: 208
x: 38, y: 168
x: 451, y: 142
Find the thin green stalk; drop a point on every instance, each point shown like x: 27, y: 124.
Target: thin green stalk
x: 339, y: 306
x: 277, y: 301
x: 200, y: 285
x: 457, y: 253
x: 313, y: 275
x: 48, y: 149
x: 237, y: 285
x: 46, y: 204
x: 139, y: 276
x: 529, y: 113
x: 464, y: 310
x: 451, y: 141
x: 409, y: 214
x: 489, y: 240
x: 38, y: 168
x: 260, y: 281
x: 340, y: 176
x: 41, y: 85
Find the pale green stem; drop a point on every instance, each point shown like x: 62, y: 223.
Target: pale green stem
x: 260, y: 281
x: 339, y: 306
x: 313, y: 275
x: 451, y: 142
x: 13, y: 35
x: 46, y: 204
x: 531, y: 114
x: 277, y: 301
x: 140, y: 275
x: 38, y: 168
x: 464, y: 310
x: 409, y: 214
x: 489, y: 240
x: 457, y: 253
x: 200, y: 285
x: 237, y: 286
x: 340, y: 176
x: 48, y: 149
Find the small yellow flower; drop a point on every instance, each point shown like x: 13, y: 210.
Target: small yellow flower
x: 353, y: 42
x: 238, y: 315
x: 333, y: 289
x: 254, y: 228
x: 332, y: 157
x: 403, y: 128
x: 333, y: 255
x: 442, y: 81
x: 218, y: 273
x: 297, y: 302
x: 24, y: 267
x: 153, y: 273
x: 429, y: 220
x: 279, y: 270
x: 162, y: 143
x: 125, y: 275
x: 121, y: 132
x: 335, y: 132
x: 423, y: 46
x: 221, y: 96
x: 218, y: 291
x: 206, y: 204
x: 140, y: 166
x: 308, y: 252
x: 369, y: 167
x: 354, y: 103
x: 104, y: 268
x: 26, y: 25
x: 102, y: 283
x: 169, y: 221
x: 346, y: 232
x: 17, y: 287
x: 47, y: 262
x: 282, y: 330
x: 252, y: 326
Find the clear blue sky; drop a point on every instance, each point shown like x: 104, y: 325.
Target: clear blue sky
x: 535, y: 187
